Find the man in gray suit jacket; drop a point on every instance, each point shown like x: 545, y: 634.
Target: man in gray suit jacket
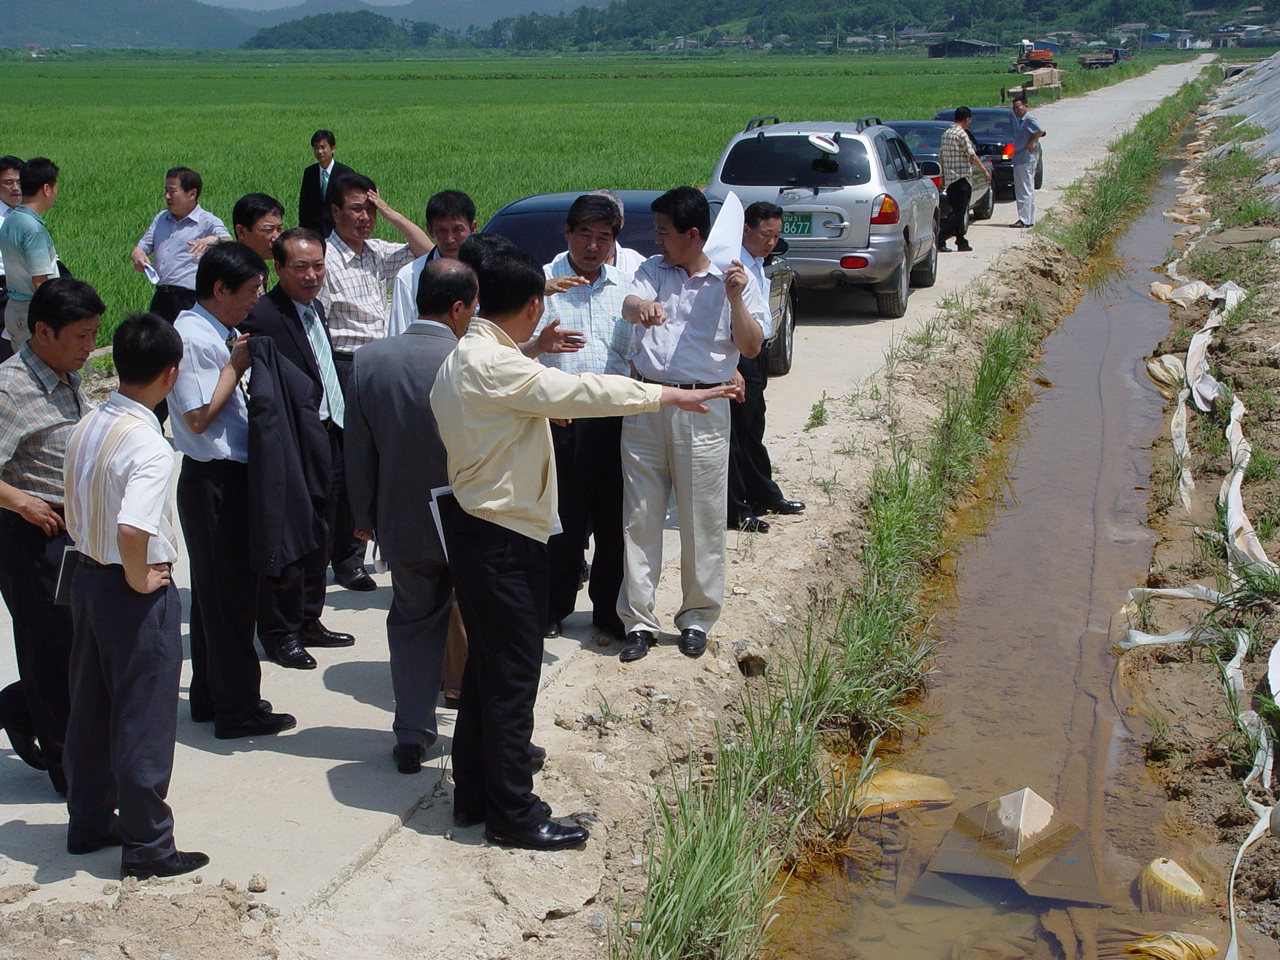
x: 394, y: 457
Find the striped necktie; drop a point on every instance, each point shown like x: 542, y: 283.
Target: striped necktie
x: 324, y: 182
x: 324, y: 359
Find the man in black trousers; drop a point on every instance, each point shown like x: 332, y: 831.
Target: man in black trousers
x: 127, y: 657
x: 40, y: 404
x: 289, y: 606
x: 211, y: 431
x: 752, y: 491
x: 313, y: 207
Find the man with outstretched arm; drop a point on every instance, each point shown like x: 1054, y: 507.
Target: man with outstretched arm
x: 492, y: 404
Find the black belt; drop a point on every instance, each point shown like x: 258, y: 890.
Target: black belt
x: 172, y: 288
x: 681, y: 386
x: 347, y: 355
x: 88, y: 561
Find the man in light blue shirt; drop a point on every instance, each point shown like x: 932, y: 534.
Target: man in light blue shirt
x: 173, y: 243
x: 588, y: 455
x: 1026, y: 134
x: 211, y: 431
x: 25, y: 244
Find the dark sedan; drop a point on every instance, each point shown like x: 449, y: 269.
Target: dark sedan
x: 992, y: 130
x: 924, y: 137
x: 536, y: 225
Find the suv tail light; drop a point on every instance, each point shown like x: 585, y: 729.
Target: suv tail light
x: 853, y: 263
x: 1007, y: 152
x: 937, y: 181
x: 884, y: 209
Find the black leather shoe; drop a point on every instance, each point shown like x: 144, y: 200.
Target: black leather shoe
x: 205, y: 714
x: 260, y: 723
x: 547, y: 835
x: 750, y: 525
x: 174, y: 865
x: 554, y: 629
x: 787, y: 507
x: 636, y: 646
x: 80, y: 847
x: 942, y: 247
x: 963, y: 246
x: 315, y: 634
x: 409, y: 757
x: 693, y: 641
x: 357, y: 578
x: 289, y: 652
x: 469, y: 818
x: 537, y: 757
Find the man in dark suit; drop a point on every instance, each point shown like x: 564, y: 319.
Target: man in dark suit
x: 313, y: 211
x: 289, y: 605
x: 394, y: 459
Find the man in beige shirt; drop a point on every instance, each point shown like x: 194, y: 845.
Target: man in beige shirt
x: 492, y: 405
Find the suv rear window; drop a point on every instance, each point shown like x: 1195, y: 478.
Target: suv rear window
x: 793, y: 161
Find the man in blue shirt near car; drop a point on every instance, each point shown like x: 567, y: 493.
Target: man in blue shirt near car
x: 1026, y: 133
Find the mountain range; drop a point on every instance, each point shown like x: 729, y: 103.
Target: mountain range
x: 176, y: 24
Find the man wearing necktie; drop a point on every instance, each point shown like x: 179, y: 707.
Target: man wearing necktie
x: 289, y: 606
x: 313, y: 209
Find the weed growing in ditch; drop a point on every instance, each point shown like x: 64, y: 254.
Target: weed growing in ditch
x: 818, y: 413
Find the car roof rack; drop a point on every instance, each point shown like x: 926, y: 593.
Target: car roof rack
x: 756, y: 122
x: 863, y: 122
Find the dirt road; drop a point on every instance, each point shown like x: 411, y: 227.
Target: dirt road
x: 319, y: 811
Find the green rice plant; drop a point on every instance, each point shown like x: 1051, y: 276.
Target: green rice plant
x: 1262, y: 466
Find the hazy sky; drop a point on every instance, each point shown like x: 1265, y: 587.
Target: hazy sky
x: 272, y: 4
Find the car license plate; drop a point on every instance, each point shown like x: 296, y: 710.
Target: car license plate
x: 797, y: 225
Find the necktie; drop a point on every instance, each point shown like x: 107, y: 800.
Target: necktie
x: 324, y: 359
x: 324, y: 182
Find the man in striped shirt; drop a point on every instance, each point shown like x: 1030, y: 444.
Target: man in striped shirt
x: 127, y: 655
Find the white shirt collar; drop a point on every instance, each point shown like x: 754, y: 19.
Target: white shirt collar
x: 134, y: 408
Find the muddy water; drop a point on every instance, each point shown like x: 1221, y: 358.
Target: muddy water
x: 1023, y: 692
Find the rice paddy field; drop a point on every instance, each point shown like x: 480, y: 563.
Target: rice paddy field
x: 499, y: 129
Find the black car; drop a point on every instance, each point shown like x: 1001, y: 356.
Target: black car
x: 992, y: 130
x: 924, y: 137
x: 535, y: 224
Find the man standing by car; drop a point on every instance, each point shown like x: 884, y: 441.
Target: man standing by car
x: 1026, y: 134
x: 697, y: 319
x: 958, y: 159
x: 752, y: 491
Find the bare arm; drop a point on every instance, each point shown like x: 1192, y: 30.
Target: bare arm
x: 748, y: 335
x: 31, y: 509
x: 143, y: 577
x: 646, y: 312
x: 413, y: 234
x: 140, y: 259
x: 198, y: 420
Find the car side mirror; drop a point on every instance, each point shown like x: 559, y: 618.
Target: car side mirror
x: 929, y: 168
x: 780, y: 248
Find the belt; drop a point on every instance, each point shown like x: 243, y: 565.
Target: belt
x: 172, y: 288
x: 88, y: 561
x: 681, y: 386
x: 344, y: 354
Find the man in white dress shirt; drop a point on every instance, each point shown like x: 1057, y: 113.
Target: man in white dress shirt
x: 697, y: 320
x: 450, y: 219
x: 127, y: 656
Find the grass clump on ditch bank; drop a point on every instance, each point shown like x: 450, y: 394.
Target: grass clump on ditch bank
x: 1102, y: 203
x: 781, y: 783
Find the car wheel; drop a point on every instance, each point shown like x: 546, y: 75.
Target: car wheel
x: 782, y: 349
x: 925, y: 273
x: 986, y: 207
x: 892, y: 303
x: 1039, y: 173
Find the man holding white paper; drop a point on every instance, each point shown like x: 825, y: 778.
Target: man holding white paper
x: 700, y: 310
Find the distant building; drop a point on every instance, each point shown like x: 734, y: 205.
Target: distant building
x: 962, y: 48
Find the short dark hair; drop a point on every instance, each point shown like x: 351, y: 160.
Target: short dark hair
x: 962, y: 113
x: 509, y: 279
x: 36, y: 173
x: 451, y: 203
x: 443, y: 283
x: 187, y: 179
x: 479, y: 247
x: 10, y: 162
x: 761, y: 211
x: 278, y: 252
x: 687, y: 208
x: 233, y: 264
x: 145, y: 345
x: 252, y: 207
x: 345, y: 183
x: 326, y: 135
x: 1018, y: 99
x: 591, y: 208
x: 61, y: 302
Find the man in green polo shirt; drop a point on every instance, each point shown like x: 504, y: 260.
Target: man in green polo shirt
x: 25, y: 244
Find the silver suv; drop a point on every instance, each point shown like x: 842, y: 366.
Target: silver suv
x: 857, y: 207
